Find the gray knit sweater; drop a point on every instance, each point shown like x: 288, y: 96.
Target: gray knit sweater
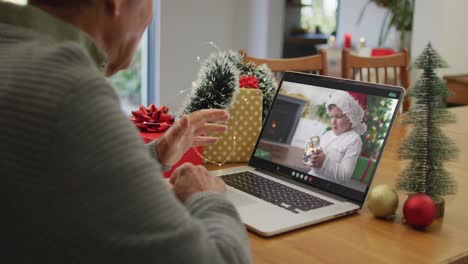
x: 77, y: 183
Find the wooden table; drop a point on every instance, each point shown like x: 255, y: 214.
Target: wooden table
x: 361, y: 238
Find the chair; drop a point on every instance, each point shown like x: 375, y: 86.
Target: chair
x: 311, y: 64
x: 392, y: 69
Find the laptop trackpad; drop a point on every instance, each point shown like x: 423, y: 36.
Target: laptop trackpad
x: 239, y: 199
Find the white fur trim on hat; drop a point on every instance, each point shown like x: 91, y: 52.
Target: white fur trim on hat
x: 351, y: 108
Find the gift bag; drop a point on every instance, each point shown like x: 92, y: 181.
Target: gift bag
x: 238, y: 142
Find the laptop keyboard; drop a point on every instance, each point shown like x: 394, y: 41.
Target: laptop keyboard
x: 274, y: 192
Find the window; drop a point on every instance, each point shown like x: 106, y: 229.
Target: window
x: 308, y: 23
x: 129, y: 83
x: 319, y: 16
x: 139, y: 84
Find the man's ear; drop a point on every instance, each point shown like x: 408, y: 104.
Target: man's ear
x: 114, y: 7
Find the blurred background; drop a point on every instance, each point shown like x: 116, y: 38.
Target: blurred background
x: 166, y: 63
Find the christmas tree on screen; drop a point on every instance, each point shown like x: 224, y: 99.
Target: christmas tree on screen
x: 427, y: 147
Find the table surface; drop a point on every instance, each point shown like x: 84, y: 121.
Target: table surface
x: 457, y: 78
x: 361, y: 238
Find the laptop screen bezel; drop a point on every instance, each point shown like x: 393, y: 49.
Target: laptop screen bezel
x: 348, y: 193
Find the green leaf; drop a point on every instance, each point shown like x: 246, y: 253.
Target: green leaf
x: 384, y: 29
x: 361, y: 14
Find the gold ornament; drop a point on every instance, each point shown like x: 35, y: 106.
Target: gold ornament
x: 382, y: 201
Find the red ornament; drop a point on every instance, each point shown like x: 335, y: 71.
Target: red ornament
x: 419, y: 210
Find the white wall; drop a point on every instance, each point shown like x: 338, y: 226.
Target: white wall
x: 369, y: 28
x: 275, y: 28
x: 444, y: 24
x: 186, y: 27
x: 257, y: 26
x: 455, y: 36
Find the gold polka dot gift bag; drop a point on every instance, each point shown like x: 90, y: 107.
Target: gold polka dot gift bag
x: 238, y: 142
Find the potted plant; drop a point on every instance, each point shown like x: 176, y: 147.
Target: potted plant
x: 399, y: 14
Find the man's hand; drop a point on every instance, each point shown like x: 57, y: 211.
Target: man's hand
x: 189, y: 179
x: 188, y: 131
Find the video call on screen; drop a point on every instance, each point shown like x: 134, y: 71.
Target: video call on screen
x: 301, y: 126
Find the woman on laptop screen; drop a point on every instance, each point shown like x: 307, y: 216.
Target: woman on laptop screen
x: 341, y: 146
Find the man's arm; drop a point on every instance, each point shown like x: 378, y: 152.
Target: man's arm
x: 114, y: 198
x: 154, y: 153
x: 189, y: 131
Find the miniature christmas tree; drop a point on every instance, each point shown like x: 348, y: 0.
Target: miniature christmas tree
x: 427, y: 147
x: 219, y: 79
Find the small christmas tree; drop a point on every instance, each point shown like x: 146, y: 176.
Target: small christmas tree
x: 427, y: 147
x: 219, y: 79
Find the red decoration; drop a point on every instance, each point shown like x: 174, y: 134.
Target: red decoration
x: 190, y: 156
x: 152, y: 119
x: 382, y: 52
x: 419, y: 210
x: 153, y: 122
x: 248, y: 81
x: 347, y: 41
x: 360, y: 98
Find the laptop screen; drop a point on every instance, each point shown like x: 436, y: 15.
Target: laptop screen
x: 327, y: 132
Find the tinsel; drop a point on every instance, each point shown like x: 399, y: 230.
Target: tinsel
x: 217, y: 81
x: 216, y: 74
x: 427, y: 147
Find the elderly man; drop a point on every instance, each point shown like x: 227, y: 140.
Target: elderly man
x: 78, y: 185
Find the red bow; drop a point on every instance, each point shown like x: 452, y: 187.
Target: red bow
x: 152, y: 119
x: 248, y: 81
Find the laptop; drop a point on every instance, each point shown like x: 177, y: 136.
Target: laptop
x: 279, y: 190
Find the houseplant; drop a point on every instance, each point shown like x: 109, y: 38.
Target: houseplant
x: 399, y: 14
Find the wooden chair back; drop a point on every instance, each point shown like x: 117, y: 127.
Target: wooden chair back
x: 392, y: 69
x: 311, y: 64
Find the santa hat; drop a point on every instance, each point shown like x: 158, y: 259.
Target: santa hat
x: 351, y: 108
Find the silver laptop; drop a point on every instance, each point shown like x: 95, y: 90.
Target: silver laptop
x: 311, y: 163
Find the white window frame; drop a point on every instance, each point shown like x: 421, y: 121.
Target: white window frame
x: 151, y: 59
